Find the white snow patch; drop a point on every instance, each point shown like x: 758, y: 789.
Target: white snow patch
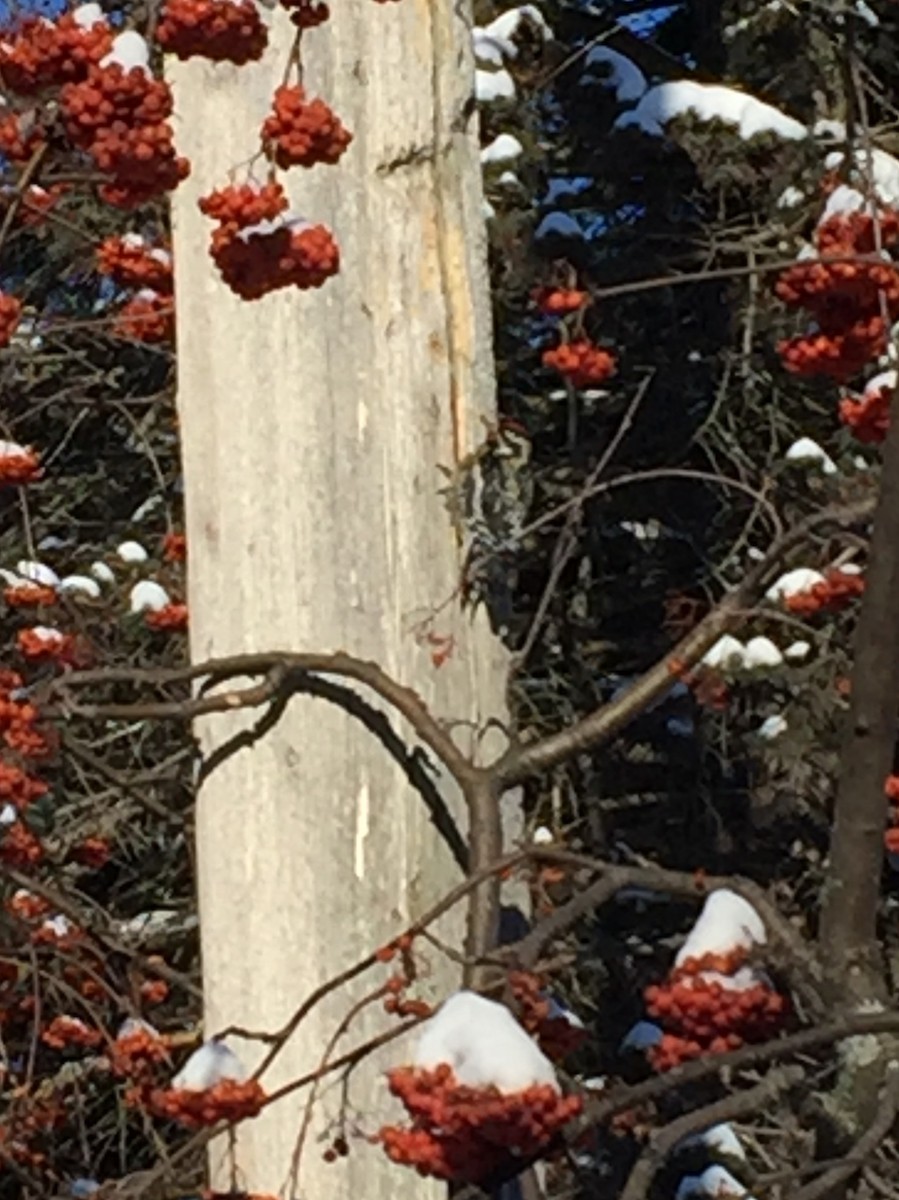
x: 714, y: 1181
x: 37, y: 572
x: 790, y: 197
x: 503, y: 148
x: 761, y: 652
x: 507, y: 24
x: 719, y: 1139
x: 148, y: 506
x: 727, y: 923
x: 148, y: 596
x: 212, y: 1063
x: 708, y: 102
x: 807, y: 450
x: 886, y: 379
x: 493, y: 85
x: 484, y: 1045
x: 800, y: 579
x: 772, y: 727
x: 81, y: 585
x: 132, y: 552
x: 129, y: 50
x: 797, y: 651
x: 101, y: 571
x: 618, y: 73
x: 88, y: 15
x: 726, y: 652
x: 490, y: 49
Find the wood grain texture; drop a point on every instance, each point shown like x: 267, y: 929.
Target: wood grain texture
x: 312, y: 428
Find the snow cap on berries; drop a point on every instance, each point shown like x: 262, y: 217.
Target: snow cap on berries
x: 209, y: 1065
x: 484, y: 1045
x: 129, y: 50
x: 727, y: 923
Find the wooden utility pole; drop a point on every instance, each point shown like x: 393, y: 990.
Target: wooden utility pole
x: 312, y: 428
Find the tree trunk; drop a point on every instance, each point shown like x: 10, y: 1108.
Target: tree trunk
x: 312, y: 429
x: 848, y: 933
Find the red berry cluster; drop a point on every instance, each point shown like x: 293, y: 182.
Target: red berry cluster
x: 582, y: 363
x: 64, y: 1031
x: 46, y: 53
x: 19, y: 847
x: 136, y: 1055
x: 10, y: 315
x: 46, y: 645
x: 132, y: 263
x: 19, y: 720
x: 18, y: 788
x: 556, y: 1036
x: 868, y: 415
x: 703, y: 1010
x: 18, y: 464
x: 891, y: 834
x: 29, y: 595
x: 258, y: 248
x: 37, y: 202
x: 560, y: 302
x: 472, y: 1135
x: 846, y: 299
x: 306, y: 14
x: 170, y: 617
x: 836, y: 592
x: 396, y: 1000
x: 227, y: 1100
x: 20, y: 136
x: 301, y: 132
x: 147, y: 317
x: 220, y: 30
x: 120, y: 117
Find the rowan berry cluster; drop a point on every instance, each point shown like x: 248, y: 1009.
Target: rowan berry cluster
x: 23, y: 742
x: 836, y: 592
x: 20, y: 136
x: 170, y: 617
x: 147, y: 317
x: 868, y: 415
x: 891, y: 834
x: 10, y: 315
x: 560, y: 302
x: 306, y: 14
x: 220, y: 30
x: 554, y: 1033
x: 119, y: 115
x: 137, y: 1053
x: 38, y: 201
x: 65, y: 1031
x: 131, y: 262
x: 582, y: 363
x: 848, y: 300
x: 472, y: 1135
x: 709, y: 1005
x: 42, y: 643
x: 44, y: 53
x: 18, y: 464
x: 228, y: 1100
x: 302, y: 132
x: 258, y: 247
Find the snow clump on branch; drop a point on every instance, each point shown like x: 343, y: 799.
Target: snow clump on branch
x: 484, y: 1045
x: 709, y: 102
